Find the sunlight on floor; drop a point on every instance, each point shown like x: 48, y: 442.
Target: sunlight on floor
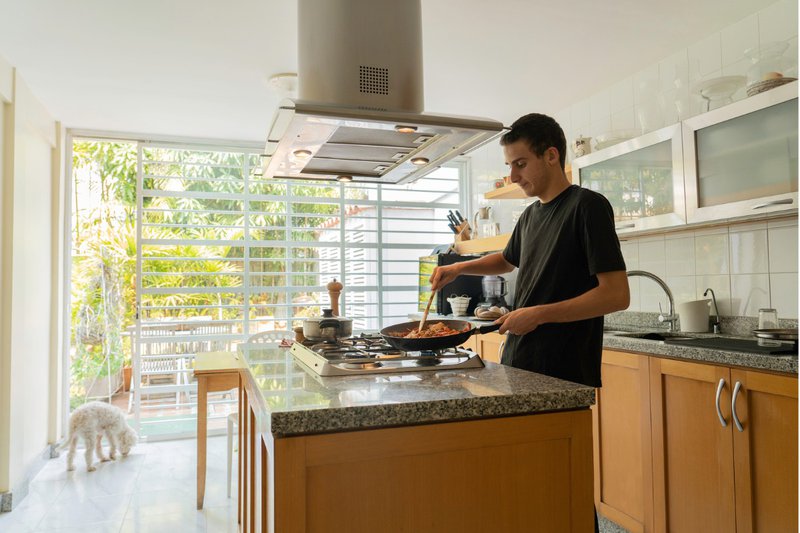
x: 152, y: 490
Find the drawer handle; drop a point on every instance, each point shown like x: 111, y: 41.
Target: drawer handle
x: 785, y: 201
x: 719, y: 411
x: 736, y: 390
x: 628, y: 226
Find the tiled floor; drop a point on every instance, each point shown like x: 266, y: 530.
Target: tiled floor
x: 152, y: 490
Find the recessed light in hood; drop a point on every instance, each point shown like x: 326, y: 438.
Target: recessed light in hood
x: 360, y: 97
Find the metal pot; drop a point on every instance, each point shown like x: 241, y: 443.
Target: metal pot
x: 327, y: 327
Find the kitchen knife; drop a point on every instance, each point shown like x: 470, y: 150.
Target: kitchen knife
x: 452, y: 218
x: 452, y: 228
x: 459, y: 218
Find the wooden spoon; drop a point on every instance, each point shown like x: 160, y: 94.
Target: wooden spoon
x: 425, y: 314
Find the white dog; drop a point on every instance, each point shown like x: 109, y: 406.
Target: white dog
x: 91, y: 421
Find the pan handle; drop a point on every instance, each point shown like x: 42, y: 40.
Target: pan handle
x: 486, y: 329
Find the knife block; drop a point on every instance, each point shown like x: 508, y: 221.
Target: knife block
x: 464, y: 232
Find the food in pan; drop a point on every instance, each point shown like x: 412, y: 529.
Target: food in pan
x: 438, y: 329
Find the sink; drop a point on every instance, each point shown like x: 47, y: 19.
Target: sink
x: 653, y: 335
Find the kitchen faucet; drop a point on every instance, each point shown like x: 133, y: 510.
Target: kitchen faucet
x: 717, y: 325
x: 670, y: 318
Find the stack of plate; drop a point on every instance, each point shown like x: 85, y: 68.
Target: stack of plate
x: 765, y: 85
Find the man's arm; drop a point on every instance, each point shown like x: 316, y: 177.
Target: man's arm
x: 486, y: 265
x: 611, y: 294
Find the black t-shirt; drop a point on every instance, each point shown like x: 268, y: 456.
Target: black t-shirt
x: 560, y: 247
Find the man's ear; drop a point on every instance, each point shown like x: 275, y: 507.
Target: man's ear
x: 551, y: 156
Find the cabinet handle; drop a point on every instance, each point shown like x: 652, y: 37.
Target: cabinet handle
x: 785, y: 201
x: 719, y: 411
x: 628, y: 226
x: 736, y: 390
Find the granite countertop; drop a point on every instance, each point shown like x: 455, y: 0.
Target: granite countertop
x: 298, y: 402
x: 757, y: 361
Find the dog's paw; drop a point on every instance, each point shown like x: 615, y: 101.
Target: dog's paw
x: 91, y: 468
x: 70, y: 468
x: 106, y: 459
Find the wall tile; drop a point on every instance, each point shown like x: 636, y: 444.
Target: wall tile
x: 651, y: 295
x: 600, y: 105
x: 783, y: 294
x: 599, y: 126
x: 630, y: 252
x: 652, y: 256
x: 673, y: 71
x: 636, y: 298
x: 680, y: 256
x: 705, y: 58
x: 646, y: 85
x: 782, y: 249
x: 737, y: 38
x: 711, y: 253
x: 580, y: 117
x: 621, y: 95
x: 749, y: 252
x: 778, y: 22
x: 623, y: 120
x: 683, y: 288
x: 722, y: 291
x: 749, y: 293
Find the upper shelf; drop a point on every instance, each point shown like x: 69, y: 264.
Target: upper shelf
x: 488, y: 244
x: 512, y: 191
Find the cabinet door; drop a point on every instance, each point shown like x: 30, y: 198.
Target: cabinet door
x: 765, y: 452
x: 742, y: 159
x: 692, y: 451
x: 641, y: 178
x: 490, y: 346
x: 622, y: 452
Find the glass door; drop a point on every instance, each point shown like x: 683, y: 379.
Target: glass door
x: 641, y: 178
x: 741, y: 160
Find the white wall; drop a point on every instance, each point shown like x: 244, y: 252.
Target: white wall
x: 748, y: 266
x: 27, y: 308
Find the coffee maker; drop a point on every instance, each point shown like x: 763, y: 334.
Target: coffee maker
x: 494, y: 291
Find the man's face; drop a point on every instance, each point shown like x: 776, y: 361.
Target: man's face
x: 526, y: 168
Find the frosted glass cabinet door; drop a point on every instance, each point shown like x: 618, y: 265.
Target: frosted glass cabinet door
x: 741, y: 160
x: 641, y: 178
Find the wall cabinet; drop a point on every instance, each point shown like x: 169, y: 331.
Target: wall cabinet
x: 738, y: 161
x: 641, y: 178
x: 684, y: 446
x: 741, y: 159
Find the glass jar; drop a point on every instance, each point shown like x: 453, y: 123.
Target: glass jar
x: 767, y: 319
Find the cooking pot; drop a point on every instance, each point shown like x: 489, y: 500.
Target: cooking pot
x: 327, y: 327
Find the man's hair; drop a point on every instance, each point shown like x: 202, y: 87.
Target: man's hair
x: 540, y: 132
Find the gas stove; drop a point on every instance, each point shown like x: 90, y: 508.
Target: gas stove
x: 370, y: 354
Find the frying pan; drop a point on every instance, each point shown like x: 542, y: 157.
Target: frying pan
x: 391, y: 335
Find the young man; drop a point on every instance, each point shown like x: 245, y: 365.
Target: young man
x: 571, y: 270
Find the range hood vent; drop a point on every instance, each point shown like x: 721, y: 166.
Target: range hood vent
x: 359, y: 114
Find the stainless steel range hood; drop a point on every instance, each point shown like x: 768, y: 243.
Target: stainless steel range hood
x: 358, y: 116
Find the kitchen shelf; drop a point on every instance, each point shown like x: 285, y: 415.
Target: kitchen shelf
x: 488, y: 244
x: 512, y: 191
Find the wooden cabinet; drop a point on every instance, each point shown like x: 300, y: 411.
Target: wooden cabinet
x: 622, y: 445
x: 670, y: 456
x: 710, y: 475
x: 765, y: 451
x: 489, y: 346
x: 692, y: 451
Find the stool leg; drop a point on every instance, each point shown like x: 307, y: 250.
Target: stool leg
x: 230, y: 453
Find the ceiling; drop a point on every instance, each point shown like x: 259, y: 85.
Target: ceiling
x: 199, y: 68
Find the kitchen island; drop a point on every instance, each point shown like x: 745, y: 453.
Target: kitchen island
x: 492, y: 449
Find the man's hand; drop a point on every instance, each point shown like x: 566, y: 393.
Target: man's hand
x: 522, y: 321
x: 442, y: 275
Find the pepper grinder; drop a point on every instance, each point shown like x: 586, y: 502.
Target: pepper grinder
x: 334, y: 290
